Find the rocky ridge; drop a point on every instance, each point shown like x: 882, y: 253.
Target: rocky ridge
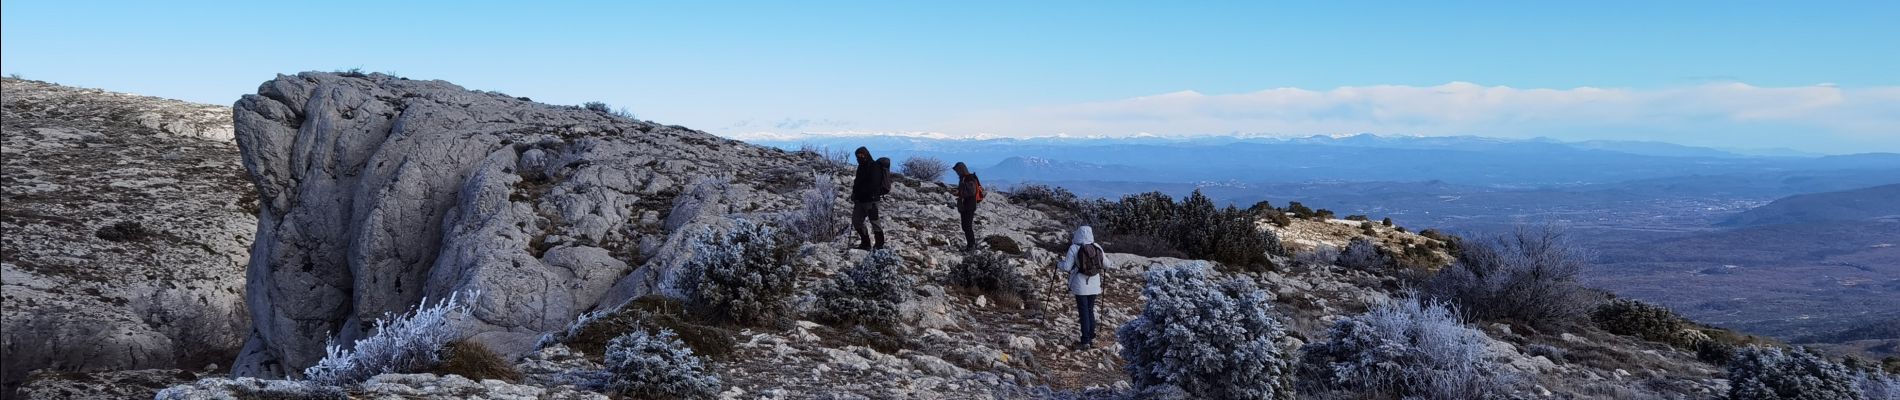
x: 127, y: 222
x: 378, y: 192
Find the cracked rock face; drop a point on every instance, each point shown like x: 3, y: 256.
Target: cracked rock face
x: 378, y: 192
x: 127, y: 221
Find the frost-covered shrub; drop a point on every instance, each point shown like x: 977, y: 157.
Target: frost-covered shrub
x: 819, y: 217
x: 642, y: 365
x: 738, y: 276
x: 252, y: 388
x: 1362, y: 254
x: 591, y: 332
x: 1552, y: 353
x: 825, y: 157
x: 1875, y: 385
x: 1404, y: 349
x: 1324, y: 254
x: 864, y: 294
x: 989, y: 273
x: 1528, y: 277
x: 927, y: 169
x: 1648, y: 321
x: 410, y: 342
x: 1209, y: 339
x: 1766, y: 373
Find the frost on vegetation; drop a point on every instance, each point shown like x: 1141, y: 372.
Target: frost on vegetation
x: 1364, y: 255
x: 1876, y: 385
x: 927, y: 169
x: 411, y: 342
x: 739, y: 275
x: 1528, y: 277
x: 644, y: 365
x: 819, y: 217
x: 864, y: 294
x: 1324, y: 254
x: 1766, y: 373
x: 1404, y: 349
x: 252, y: 388
x: 1199, y: 338
x: 832, y: 160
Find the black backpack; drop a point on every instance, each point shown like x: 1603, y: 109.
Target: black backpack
x: 884, y: 165
x: 1088, y: 260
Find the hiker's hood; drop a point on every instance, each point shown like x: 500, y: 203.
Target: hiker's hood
x: 1083, y: 235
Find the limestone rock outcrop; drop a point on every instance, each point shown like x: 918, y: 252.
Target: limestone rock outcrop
x: 127, y: 221
x: 378, y: 192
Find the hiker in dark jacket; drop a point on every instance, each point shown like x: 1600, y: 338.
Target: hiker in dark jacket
x: 968, y: 194
x: 1085, y: 264
x: 865, y: 192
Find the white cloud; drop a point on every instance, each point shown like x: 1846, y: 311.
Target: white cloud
x: 1820, y: 117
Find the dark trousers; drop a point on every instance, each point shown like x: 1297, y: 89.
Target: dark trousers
x: 969, y: 226
x: 1086, y: 306
x: 861, y: 211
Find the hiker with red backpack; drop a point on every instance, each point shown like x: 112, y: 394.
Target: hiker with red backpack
x: 969, y: 192
x: 1084, y: 263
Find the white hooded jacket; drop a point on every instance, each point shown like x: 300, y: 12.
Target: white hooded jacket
x: 1079, y: 284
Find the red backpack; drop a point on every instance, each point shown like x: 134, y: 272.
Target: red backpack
x: 977, y: 186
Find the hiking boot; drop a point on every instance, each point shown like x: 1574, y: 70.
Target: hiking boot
x: 1080, y: 346
x: 863, y: 246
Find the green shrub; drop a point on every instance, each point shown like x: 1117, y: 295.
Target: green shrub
x: 989, y: 274
x: 1647, y: 321
x: 1195, y: 227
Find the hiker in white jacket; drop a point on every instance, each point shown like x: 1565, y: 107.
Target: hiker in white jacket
x: 1084, y: 251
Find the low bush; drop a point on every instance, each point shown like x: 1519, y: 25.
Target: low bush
x: 1363, y: 254
x: 1299, y: 210
x: 1141, y: 245
x: 474, y: 361
x: 1527, y: 277
x: 1324, y: 254
x: 410, y: 342
x: 1759, y: 373
x: 1003, y: 244
x: 1205, y: 339
x: 826, y: 158
x: 590, y: 333
x: 925, y: 169
x: 864, y: 294
x: 819, y: 217
x: 1876, y: 385
x: 1404, y: 349
x: 1195, y: 227
x: 644, y: 365
x: 1648, y: 321
x: 739, y: 276
x: 989, y: 274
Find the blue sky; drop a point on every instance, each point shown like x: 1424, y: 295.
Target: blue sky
x: 1817, y: 77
